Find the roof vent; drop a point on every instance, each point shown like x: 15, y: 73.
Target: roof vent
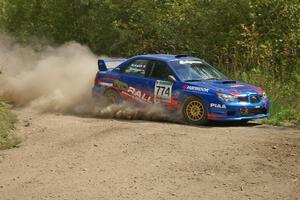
x: 182, y: 55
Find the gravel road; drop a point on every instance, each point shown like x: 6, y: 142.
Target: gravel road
x: 71, y: 157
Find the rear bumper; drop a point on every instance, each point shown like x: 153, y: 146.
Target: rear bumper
x: 97, y: 91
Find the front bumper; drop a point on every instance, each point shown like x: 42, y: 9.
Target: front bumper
x: 240, y: 111
x: 219, y: 118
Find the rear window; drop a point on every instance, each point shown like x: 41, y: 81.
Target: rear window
x: 137, y: 68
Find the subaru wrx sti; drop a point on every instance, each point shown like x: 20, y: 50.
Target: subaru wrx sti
x: 183, y: 84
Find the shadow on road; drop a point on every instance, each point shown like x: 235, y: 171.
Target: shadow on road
x: 210, y: 124
x: 233, y: 124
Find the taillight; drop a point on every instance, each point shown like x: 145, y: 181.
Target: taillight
x: 96, y: 80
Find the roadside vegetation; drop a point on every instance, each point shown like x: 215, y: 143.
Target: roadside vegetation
x: 7, y: 124
x: 257, y: 41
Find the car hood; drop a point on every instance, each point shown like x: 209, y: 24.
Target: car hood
x: 229, y: 86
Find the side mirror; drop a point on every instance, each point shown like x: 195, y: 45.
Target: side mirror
x: 172, y: 79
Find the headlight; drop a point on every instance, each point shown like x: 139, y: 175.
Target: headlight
x: 265, y: 95
x: 227, y: 97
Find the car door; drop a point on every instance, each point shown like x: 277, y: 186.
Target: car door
x: 158, y: 73
x: 133, y: 75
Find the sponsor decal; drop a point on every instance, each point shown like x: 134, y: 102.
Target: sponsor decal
x: 136, y: 68
x: 200, y: 89
x: 215, y: 105
x: 237, y: 86
x: 182, y: 62
x: 162, y: 91
x: 138, y: 95
x: 120, y: 84
x: 105, y: 84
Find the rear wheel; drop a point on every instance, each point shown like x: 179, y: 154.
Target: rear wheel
x: 112, y: 97
x: 194, y: 111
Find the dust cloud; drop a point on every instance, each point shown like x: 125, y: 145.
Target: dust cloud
x: 51, y: 79
x: 58, y: 79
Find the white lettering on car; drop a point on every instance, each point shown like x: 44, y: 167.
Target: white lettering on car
x: 201, y: 89
x: 215, y: 105
x: 131, y: 90
x: 182, y: 62
x: 138, y: 95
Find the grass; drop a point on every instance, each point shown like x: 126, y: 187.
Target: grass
x: 7, y: 124
x: 283, y: 115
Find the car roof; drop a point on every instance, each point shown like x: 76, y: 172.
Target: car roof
x: 168, y: 57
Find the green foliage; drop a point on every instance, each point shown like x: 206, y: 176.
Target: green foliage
x: 251, y: 40
x: 282, y: 115
x: 7, y: 121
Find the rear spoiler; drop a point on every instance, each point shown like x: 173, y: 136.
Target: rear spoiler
x: 105, y: 64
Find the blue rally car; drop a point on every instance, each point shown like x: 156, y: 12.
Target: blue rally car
x: 183, y: 84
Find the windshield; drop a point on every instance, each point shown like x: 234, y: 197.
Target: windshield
x: 196, y: 70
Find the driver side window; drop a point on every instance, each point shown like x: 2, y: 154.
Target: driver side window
x: 158, y: 70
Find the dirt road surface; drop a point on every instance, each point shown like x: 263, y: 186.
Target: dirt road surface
x: 69, y: 157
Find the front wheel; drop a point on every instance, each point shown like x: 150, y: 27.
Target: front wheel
x: 194, y: 111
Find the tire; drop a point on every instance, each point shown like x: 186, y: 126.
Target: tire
x: 112, y: 97
x: 194, y: 111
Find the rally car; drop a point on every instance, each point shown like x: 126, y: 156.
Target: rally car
x: 183, y: 84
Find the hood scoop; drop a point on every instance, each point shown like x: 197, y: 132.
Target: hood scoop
x: 228, y: 82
